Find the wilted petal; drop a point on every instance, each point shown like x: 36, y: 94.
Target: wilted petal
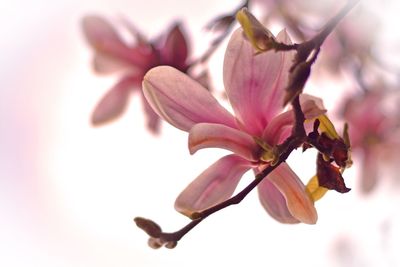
x: 330, y: 176
x: 102, y: 36
x: 205, y: 135
x: 114, y: 101
x: 175, y: 50
x: 274, y: 203
x: 255, y: 83
x: 181, y: 101
x: 298, y: 202
x: 214, y: 185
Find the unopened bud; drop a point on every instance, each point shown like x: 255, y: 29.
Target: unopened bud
x: 171, y: 244
x: 150, y: 227
x: 154, y: 243
x: 259, y: 36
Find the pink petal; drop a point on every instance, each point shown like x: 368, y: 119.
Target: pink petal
x: 311, y: 106
x: 106, y: 64
x: 99, y: 31
x: 298, y: 202
x: 175, y: 50
x: 255, y: 83
x: 214, y: 185
x: 274, y: 202
x: 181, y: 101
x: 114, y: 102
x: 206, y: 135
x: 153, y: 120
x: 280, y: 127
x: 273, y: 97
x: 102, y: 36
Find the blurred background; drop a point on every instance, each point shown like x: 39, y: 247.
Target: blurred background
x: 69, y: 191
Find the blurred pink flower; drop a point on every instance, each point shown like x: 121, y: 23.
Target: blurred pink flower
x: 255, y: 88
x: 374, y: 133
x: 351, y: 44
x: 113, y: 54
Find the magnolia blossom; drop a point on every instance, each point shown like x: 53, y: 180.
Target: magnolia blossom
x: 113, y: 54
x: 374, y: 133
x: 254, y: 85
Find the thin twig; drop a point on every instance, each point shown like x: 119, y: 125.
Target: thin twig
x: 294, y: 141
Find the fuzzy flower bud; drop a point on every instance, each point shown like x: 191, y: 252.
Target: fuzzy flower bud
x: 259, y: 36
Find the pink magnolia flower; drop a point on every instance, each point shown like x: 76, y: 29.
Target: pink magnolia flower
x: 255, y: 88
x: 374, y: 133
x: 112, y: 54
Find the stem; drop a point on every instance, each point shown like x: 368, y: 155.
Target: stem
x: 217, y: 41
x: 332, y: 23
x: 294, y: 141
x: 176, y: 236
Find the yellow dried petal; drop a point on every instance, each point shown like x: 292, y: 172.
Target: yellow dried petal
x: 315, y: 191
x: 327, y: 127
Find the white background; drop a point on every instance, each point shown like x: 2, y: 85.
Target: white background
x: 69, y: 192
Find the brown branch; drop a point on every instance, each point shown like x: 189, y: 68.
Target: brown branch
x: 307, y: 53
x: 332, y: 23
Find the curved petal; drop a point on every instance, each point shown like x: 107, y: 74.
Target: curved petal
x: 255, y: 83
x: 311, y: 106
x: 205, y: 135
x: 274, y: 203
x: 280, y: 127
x: 298, y: 202
x: 181, y: 101
x: 214, y: 185
x: 102, y: 36
x: 114, y: 102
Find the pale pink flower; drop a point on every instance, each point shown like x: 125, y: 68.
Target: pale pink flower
x: 374, y: 133
x: 255, y: 87
x: 352, y: 42
x: 113, y: 54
